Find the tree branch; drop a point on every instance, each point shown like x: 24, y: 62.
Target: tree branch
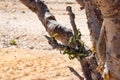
x: 72, y: 70
x: 95, y: 20
x: 48, y: 20
x: 72, y: 17
x: 56, y: 30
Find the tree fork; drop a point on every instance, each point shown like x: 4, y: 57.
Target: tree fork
x: 83, y: 62
x: 53, y: 28
x: 89, y: 64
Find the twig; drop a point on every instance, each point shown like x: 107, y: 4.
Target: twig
x: 78, y: 75
x: 72, y: 17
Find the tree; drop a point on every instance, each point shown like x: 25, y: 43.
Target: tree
x: 48, y: 20
x: 107, y: 40
x: 104, y: 25
x: 111, y: 24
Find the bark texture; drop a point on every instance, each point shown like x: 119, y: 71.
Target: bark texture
x: 48, y: 20
x: 94, y: 21
x: 82, y: 4
x: 87, y: 68
x: 94, y: 18
x: 111, y: 14
x: 106, y: 36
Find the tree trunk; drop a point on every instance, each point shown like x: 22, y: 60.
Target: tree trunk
x: 48, y: 20
x: 111, y: 15
x: 106, y: 40
x: 94, y: 20
x: 82, y: 4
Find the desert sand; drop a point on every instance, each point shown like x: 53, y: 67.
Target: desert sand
x: 32, y: 58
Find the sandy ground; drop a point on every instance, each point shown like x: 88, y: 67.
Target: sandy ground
x: 32, y: 58
x: 20, y: 64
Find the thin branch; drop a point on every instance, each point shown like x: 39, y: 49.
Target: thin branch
x: 77, y: 74
x: 72, y: 18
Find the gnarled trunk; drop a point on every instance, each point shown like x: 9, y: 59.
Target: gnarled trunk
x: 106, y: 39
x: 111, y: 15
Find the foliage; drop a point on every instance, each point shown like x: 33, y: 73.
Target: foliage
x: 76, y: 42
x: 12, y: 42
x: 23, y: 11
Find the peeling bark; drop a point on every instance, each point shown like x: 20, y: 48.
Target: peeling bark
x: 94, y: 18
x: 101, y: 46
x: 113, y: 47
x: 111, y: 15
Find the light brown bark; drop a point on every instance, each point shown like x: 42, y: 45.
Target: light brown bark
x: 107, y: 39
x: 94, y: 22
x: 48, y: 20
x: 111, y: 15
x: 94, y: 19
x: 113, y: 46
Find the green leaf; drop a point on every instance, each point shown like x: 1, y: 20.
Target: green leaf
x: 82, y: 55
x: 12, y: 42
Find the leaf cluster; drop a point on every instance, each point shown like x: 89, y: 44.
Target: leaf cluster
x: 79, y: 46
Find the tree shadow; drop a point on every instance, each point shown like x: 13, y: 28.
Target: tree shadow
x: 75, y: 73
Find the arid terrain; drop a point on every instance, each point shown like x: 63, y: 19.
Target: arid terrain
x: 32, y: 58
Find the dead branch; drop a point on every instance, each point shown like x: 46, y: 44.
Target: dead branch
x: 78, y: 75
x: 72, y: 17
